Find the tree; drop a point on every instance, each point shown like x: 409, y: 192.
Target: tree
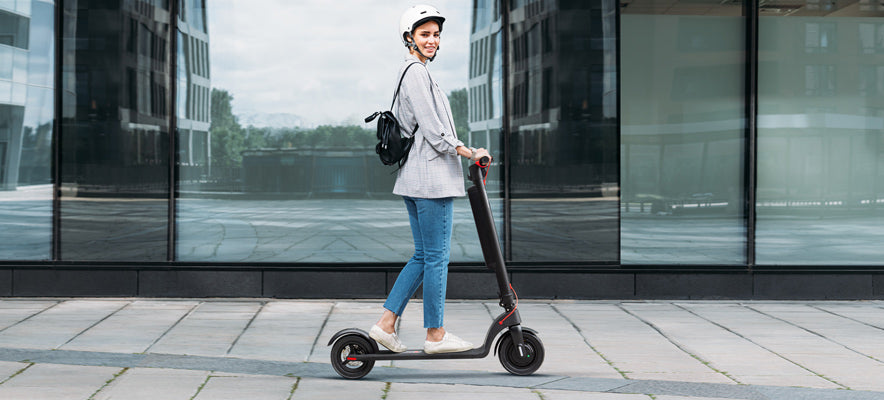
x: 228, y: 137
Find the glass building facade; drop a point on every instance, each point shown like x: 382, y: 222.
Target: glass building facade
x: 643, y: 148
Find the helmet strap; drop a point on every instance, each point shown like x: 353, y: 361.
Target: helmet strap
x: 412, y: 44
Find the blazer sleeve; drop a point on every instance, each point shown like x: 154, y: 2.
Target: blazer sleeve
x: 418, y: 89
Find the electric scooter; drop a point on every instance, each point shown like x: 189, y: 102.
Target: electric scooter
x: 519, y: 349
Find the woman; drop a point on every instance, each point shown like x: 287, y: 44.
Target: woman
x: 428, y: 182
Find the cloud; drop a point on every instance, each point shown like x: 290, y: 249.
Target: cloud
x: 326, y: 62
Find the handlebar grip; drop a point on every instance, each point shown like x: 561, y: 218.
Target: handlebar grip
x: 484, y: 161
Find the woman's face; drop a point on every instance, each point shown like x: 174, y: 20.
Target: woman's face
x: 426, y: 37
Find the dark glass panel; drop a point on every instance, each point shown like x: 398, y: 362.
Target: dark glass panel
x: 114, y: 132
x: 563, y: 131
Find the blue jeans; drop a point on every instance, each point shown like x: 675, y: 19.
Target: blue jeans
x: 431, y: 221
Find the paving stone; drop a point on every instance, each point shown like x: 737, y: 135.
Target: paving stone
x: 635, y: 348
x: 567, y: 353
x: 806, y: 349
x: 211, y: 329
x: 154, y: 384
x: 667, y: 397
x: 865, y: 312
x: 575, y: 395
x: 860, y: 337
x: 132, y: 329
x: 8, y: 368
x: 283, y: 331
x: 332, y: 389
x: 725, y: 351
x: 247, y: 387
x: 59, y: 324
x: 402, y: 391
x: 12, y: 312
x: 56, y: 382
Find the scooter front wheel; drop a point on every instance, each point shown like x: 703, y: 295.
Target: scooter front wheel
x: 516, y: 364
x: 341, y: 360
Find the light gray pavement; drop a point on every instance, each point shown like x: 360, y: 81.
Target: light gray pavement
x: 207, y: 349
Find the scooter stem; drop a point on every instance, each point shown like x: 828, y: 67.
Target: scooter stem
x: 488, y: 239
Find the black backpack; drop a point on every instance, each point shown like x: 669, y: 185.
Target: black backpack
x: 392, y: 147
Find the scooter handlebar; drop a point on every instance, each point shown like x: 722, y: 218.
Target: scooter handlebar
x: 482, y: 165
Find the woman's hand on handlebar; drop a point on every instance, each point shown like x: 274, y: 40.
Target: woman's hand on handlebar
x: 479, y: 153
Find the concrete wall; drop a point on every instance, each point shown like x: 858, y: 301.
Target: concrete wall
x: 464, y: 283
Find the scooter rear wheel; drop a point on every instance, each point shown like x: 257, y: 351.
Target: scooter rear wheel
x: 343, y: 348
x: 508, y: 353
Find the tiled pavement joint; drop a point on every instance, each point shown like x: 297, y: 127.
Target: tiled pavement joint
x: 17, y: 373
x: 845, y: 317
x: 96, y: 323
x: 812, y: 332
x: 675, y: 343
x: 586, y: 340
x: 294, y: 389
x: 108, y: 383
x: 30, y: 316
x: 321, y: 329
x: 246, y: 328
x: 201, y: 386
x: 761, y: 346
x: 386, y: 391
x: 166, y: 332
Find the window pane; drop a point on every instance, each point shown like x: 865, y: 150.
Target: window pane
x: 26, y: 114
x: 563, y: 131
x: 682, y: 133
x: 114, y: 146
x: 275, y: 161
x: 821, y: 134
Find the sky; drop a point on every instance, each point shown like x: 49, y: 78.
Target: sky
x: 327, y: 62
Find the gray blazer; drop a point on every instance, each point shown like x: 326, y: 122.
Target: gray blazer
x: 433, y: 169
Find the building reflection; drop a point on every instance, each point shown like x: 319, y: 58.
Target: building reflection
x: 25, y: 93
x: 194, y: 151
x: 563, y: 130
x: 116, y: 106
x: 26, y: 118
x: 820, y: 133
x: 682, y: 132
x: 821, y: 101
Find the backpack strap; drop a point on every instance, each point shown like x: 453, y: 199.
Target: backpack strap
x: 399, y: 86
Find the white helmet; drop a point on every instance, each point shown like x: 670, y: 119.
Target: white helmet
x: 415, y: 17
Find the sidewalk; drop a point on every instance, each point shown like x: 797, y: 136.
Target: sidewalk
x: 596, y: 350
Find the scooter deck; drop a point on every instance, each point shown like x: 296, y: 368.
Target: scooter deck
x: 478, y: 352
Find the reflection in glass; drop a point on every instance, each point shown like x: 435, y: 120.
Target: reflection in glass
x: 563, y: 131
x: 114, y: 142
x: 482, y: 101
x: 821, y: 133
x: 682, y: 133
x: 26, y: 113
x: 274, y: 159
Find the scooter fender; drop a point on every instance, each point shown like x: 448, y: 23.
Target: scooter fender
x: 507, y: 332
x: 354, y: 332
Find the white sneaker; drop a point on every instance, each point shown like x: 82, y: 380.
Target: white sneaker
x: 388, y: 340
x: 449, y: 344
